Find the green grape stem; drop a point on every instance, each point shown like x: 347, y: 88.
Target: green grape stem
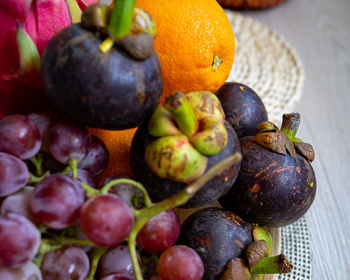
x: 73, y: 163
x: 109, y: 185
x: 89, y: 191
x: 37, y: 160
x: 47, y: 245
x: 34, y: 180
x: 143, y: 215
x: 98, y: 253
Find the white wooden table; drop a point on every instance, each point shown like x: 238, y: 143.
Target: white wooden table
x: 320, y: 32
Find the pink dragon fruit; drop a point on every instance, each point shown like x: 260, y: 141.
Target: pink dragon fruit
x: 20, y: 83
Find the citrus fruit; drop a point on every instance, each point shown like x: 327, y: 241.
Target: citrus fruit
x: 194, y: 42
x: 118, y: 144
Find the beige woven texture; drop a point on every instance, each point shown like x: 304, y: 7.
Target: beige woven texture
x: 268, y: 64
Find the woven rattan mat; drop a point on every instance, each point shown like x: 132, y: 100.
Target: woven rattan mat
x: 268, y: 64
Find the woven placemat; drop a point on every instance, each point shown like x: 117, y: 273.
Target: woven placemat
x: 295, y: 244
x: 268, y: 64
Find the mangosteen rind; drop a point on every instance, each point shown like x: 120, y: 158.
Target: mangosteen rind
x: 104, y: 90
x: 217, y: 236
x: 243, y: 108
x: 271, y: 189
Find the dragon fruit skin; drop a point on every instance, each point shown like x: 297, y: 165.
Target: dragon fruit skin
x: 41, y: 19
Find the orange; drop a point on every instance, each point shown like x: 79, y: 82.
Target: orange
x: 118, y: 144
x: 193, y: 37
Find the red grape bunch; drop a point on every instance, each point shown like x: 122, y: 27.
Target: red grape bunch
x: 57, y: 223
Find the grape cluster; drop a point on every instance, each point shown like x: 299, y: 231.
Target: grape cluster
x: 56, y: 222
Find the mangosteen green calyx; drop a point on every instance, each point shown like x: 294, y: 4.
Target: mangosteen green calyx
x: 184, y: 137
x: 238, y: 270
x: 276, y: 184
x: 243, y: 108
x: 224, y: 242
x: 104, y: 72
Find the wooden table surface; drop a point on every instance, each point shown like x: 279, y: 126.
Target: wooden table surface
x: 320, y: 32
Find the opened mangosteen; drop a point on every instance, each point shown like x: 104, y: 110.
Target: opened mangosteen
x: 183, y: 138
x: 243, y: 108
x: 276, y: 184
x: 104, y: 71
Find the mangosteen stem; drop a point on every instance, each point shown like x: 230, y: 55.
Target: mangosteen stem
x: 182, y: 111
x: 145, y: 214
x: 272, y: 265
x: 121, y: 18
x: 107, y: 187
x: 290, y: 125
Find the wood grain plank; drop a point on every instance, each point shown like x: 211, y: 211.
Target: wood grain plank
x: 320, y: 32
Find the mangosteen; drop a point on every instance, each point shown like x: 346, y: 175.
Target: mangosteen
x: 183, y: 138
x: 104, y: 71
x: 276, y: 184
x: 243, y: 108
x: 217, y: 236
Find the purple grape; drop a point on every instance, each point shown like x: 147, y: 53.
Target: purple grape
x: 117, y: 260
x: 97, y: 156
x: 106, y: 219
x: 160, y: 232
x: 19, y: 136
x: 19, y: 240
x: 118, y: 277
x: 68, y: 141
x: 67, y: 263
x: 57, y: 200
x: 13, y: 174
x: 19, y: 203
x: 42, y: 121
x: 180, y: 262
x: 84, y: 176
x: 28, y: 271
x: 132, y: 195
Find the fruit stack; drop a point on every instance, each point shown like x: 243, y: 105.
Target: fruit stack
x: 65, y: 215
